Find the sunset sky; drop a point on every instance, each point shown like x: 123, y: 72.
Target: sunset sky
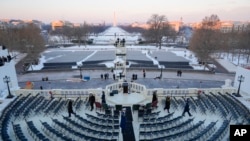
x: 127, y: 11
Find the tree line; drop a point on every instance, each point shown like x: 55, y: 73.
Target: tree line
x: 208, y: 41
x: 24, y: 39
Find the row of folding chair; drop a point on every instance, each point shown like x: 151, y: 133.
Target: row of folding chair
x: 107, y: 116
x: 29, y: 110
x: 53, y: 133
x: 90, y: 133
x: 207, y: 99
x: 18, y: 112
x: 220, y: 133
x: 234, y: 110
x: 242, y: 109
x: 160, y: 127
x: 35, y: 133
x: 221, y: 110
x: 7, y: 116
x: 19, y: 133
x: 103, y: 119
x: 107, y: 124
x: 41, y: 106
x: 51, y: 107
x: 5, y: 120
x: 78, y: 104
x: 150, y: 117
x: 202, y: 107
x: 166, y: 135
x: 218, y: 98
x: 90, y: 123
x: 204, y: 134
x: 193, y: 104
x: 59, y: 107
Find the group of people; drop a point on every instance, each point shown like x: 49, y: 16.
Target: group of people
x: 105, y: 76
x: 91, y: 101
x: 121, y: 42
x: 179, y: 73
x: 186, y: 108
x: 4, y: 59
x: 168, y: 101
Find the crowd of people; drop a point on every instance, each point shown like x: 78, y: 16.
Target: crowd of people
x: 5, y: 59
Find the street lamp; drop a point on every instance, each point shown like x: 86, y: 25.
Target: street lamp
x: 240, y: 79
x: 80, y: 68
x: 6, y: 80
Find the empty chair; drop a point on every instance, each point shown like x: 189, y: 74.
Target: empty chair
x: 98, y: 105
x: 118, y: 107
x: 135, y: 107
x: 154, y: 105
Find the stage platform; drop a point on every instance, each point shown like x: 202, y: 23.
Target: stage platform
x: 126, y: 99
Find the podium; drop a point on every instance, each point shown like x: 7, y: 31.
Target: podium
x: 125, y: 87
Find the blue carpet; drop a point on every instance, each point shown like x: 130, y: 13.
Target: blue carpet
x: 129, y: 135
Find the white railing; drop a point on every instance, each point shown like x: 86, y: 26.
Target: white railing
x: 133, y: 88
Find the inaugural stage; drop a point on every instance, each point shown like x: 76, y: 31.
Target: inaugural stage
x: 126, y: 99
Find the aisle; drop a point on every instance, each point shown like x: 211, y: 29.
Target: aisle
x: 129, y: 133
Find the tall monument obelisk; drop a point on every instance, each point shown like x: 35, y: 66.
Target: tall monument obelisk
x: 114, y: 20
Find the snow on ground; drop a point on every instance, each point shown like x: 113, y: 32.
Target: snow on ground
x: 145, y: 50
x: 230, y: 67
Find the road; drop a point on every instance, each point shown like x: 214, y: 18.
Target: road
x: 70, y: 79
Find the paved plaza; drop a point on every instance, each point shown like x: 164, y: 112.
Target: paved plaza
x: 70, y: 79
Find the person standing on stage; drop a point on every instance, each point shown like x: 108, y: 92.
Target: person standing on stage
x: 154, y: 98
x: 103, y: 97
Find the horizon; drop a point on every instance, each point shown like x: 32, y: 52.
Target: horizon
x: 129, y: 11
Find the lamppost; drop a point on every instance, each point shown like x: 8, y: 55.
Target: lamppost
x: 6, y: 80
x: 240, y: 79
x: 80, y: 68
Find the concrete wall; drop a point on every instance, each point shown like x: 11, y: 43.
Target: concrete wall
x: 8, y: 69
x: 245, y: 86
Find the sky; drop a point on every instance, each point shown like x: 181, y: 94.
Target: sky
x: 126, y: 11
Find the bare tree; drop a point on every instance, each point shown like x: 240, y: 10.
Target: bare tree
x: 81, y: 33
x: 211, y: 22
x: 159, y: 27
x: 245, y: 42
x: 205, y: 40
x: 31, y: 42
x: 68, y: 32
x: 21, y: 38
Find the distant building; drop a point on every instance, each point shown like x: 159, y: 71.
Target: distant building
x: 39, y: 24
x: 58, y: 25
x: 4, y: 23
x: 225, y: 26
x: 176, y: 25
x: 229, y: 26
x: 141, y: 25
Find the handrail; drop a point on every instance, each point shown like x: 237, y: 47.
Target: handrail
x: 133, y: 88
